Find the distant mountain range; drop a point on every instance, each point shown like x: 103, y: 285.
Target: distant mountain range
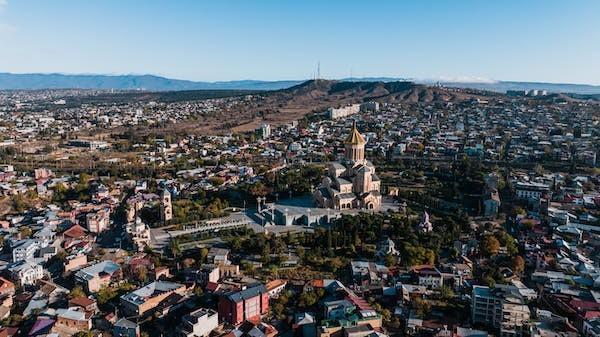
x: 156, y: 83
x: 128, y: 82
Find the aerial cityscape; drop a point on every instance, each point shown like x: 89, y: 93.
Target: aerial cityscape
x: 198, y: 169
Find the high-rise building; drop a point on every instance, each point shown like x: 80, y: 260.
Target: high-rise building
x: 265, y: 131
x: 501, y: 307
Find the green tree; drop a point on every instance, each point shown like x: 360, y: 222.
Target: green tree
x: 18, y: 203
x: 83, y: 334
x: 77, y: 291
x: 25, y: 232
x: 390, y: 260
x: 489, y: 246
x: 421, y: 307
x: 203, y: 255
x: 266, y: 253
x: 446, y: 293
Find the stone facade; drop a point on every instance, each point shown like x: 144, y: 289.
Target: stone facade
x: 352, y: 183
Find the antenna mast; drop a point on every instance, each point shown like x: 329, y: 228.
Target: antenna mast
x: 319, y: 70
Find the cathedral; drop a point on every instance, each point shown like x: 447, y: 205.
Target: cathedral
x: 352, y: 183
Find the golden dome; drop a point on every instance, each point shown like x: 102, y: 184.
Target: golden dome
x: 355, y: 138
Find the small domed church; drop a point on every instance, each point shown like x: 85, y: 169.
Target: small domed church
x: 351, y: 183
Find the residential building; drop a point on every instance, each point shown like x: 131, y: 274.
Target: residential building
x: 7, y: 288
x: 429, y: 276
x: 365, y: 273
x: 98, y: 275
x: 126, y: 328
x: 198, y: 323
x: 501, y: 308
x: 591, y: 328
x: 275, y: 287
x: 531, y: 191
x: 26, y: 273
x: 74, y: 262
x: 98, y: 222
x: 149, y: 297
x: 25, y: 250
x: 218, y: 256
x: 335, y: 113
x: 74, y: 319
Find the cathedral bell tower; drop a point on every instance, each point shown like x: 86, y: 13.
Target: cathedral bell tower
x: 166, y: 207
x: 355, y: 145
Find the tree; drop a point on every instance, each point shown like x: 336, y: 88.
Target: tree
x: 307, y: 299
x: 421, y: 307
x: 489, y: 281
x: 174, y: 247
x: 25, y: 232
x: 105, y: 295
x: 489, y: 246
x: 13, y: 320
x: 18, y: 203
x: 77, y: 291
x: 518, y: 264
x: 390, y: 260
x: 198, y: 291
x: 266, y: 253
x: 216, y: 181
x: 83, y: 334
x: 446, y: 293
x: 236, y: 244
x: 539, y: 170
x: 141, y: 274
x: 416, y: 255
x: 203, y: 255
x: 330, y: 250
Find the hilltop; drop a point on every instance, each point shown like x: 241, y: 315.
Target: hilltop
x: 317, y: 95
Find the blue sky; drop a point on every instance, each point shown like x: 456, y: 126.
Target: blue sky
x: 531, y: 40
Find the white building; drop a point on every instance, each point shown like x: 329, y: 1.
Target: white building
x: 531, y: 191
x: 429, y: 277
x: 335, y: 113
x: 387, y: 247
x: 26, y: 273
x: 139, y: 233
x: 198, y: 323
x: 425, y: 226
x: 265, y: 131
x: 25, y: 250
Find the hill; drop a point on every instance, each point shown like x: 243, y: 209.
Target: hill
x: 317, y: 95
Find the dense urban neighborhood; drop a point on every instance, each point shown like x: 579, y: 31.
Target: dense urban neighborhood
x: 328, y: 209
